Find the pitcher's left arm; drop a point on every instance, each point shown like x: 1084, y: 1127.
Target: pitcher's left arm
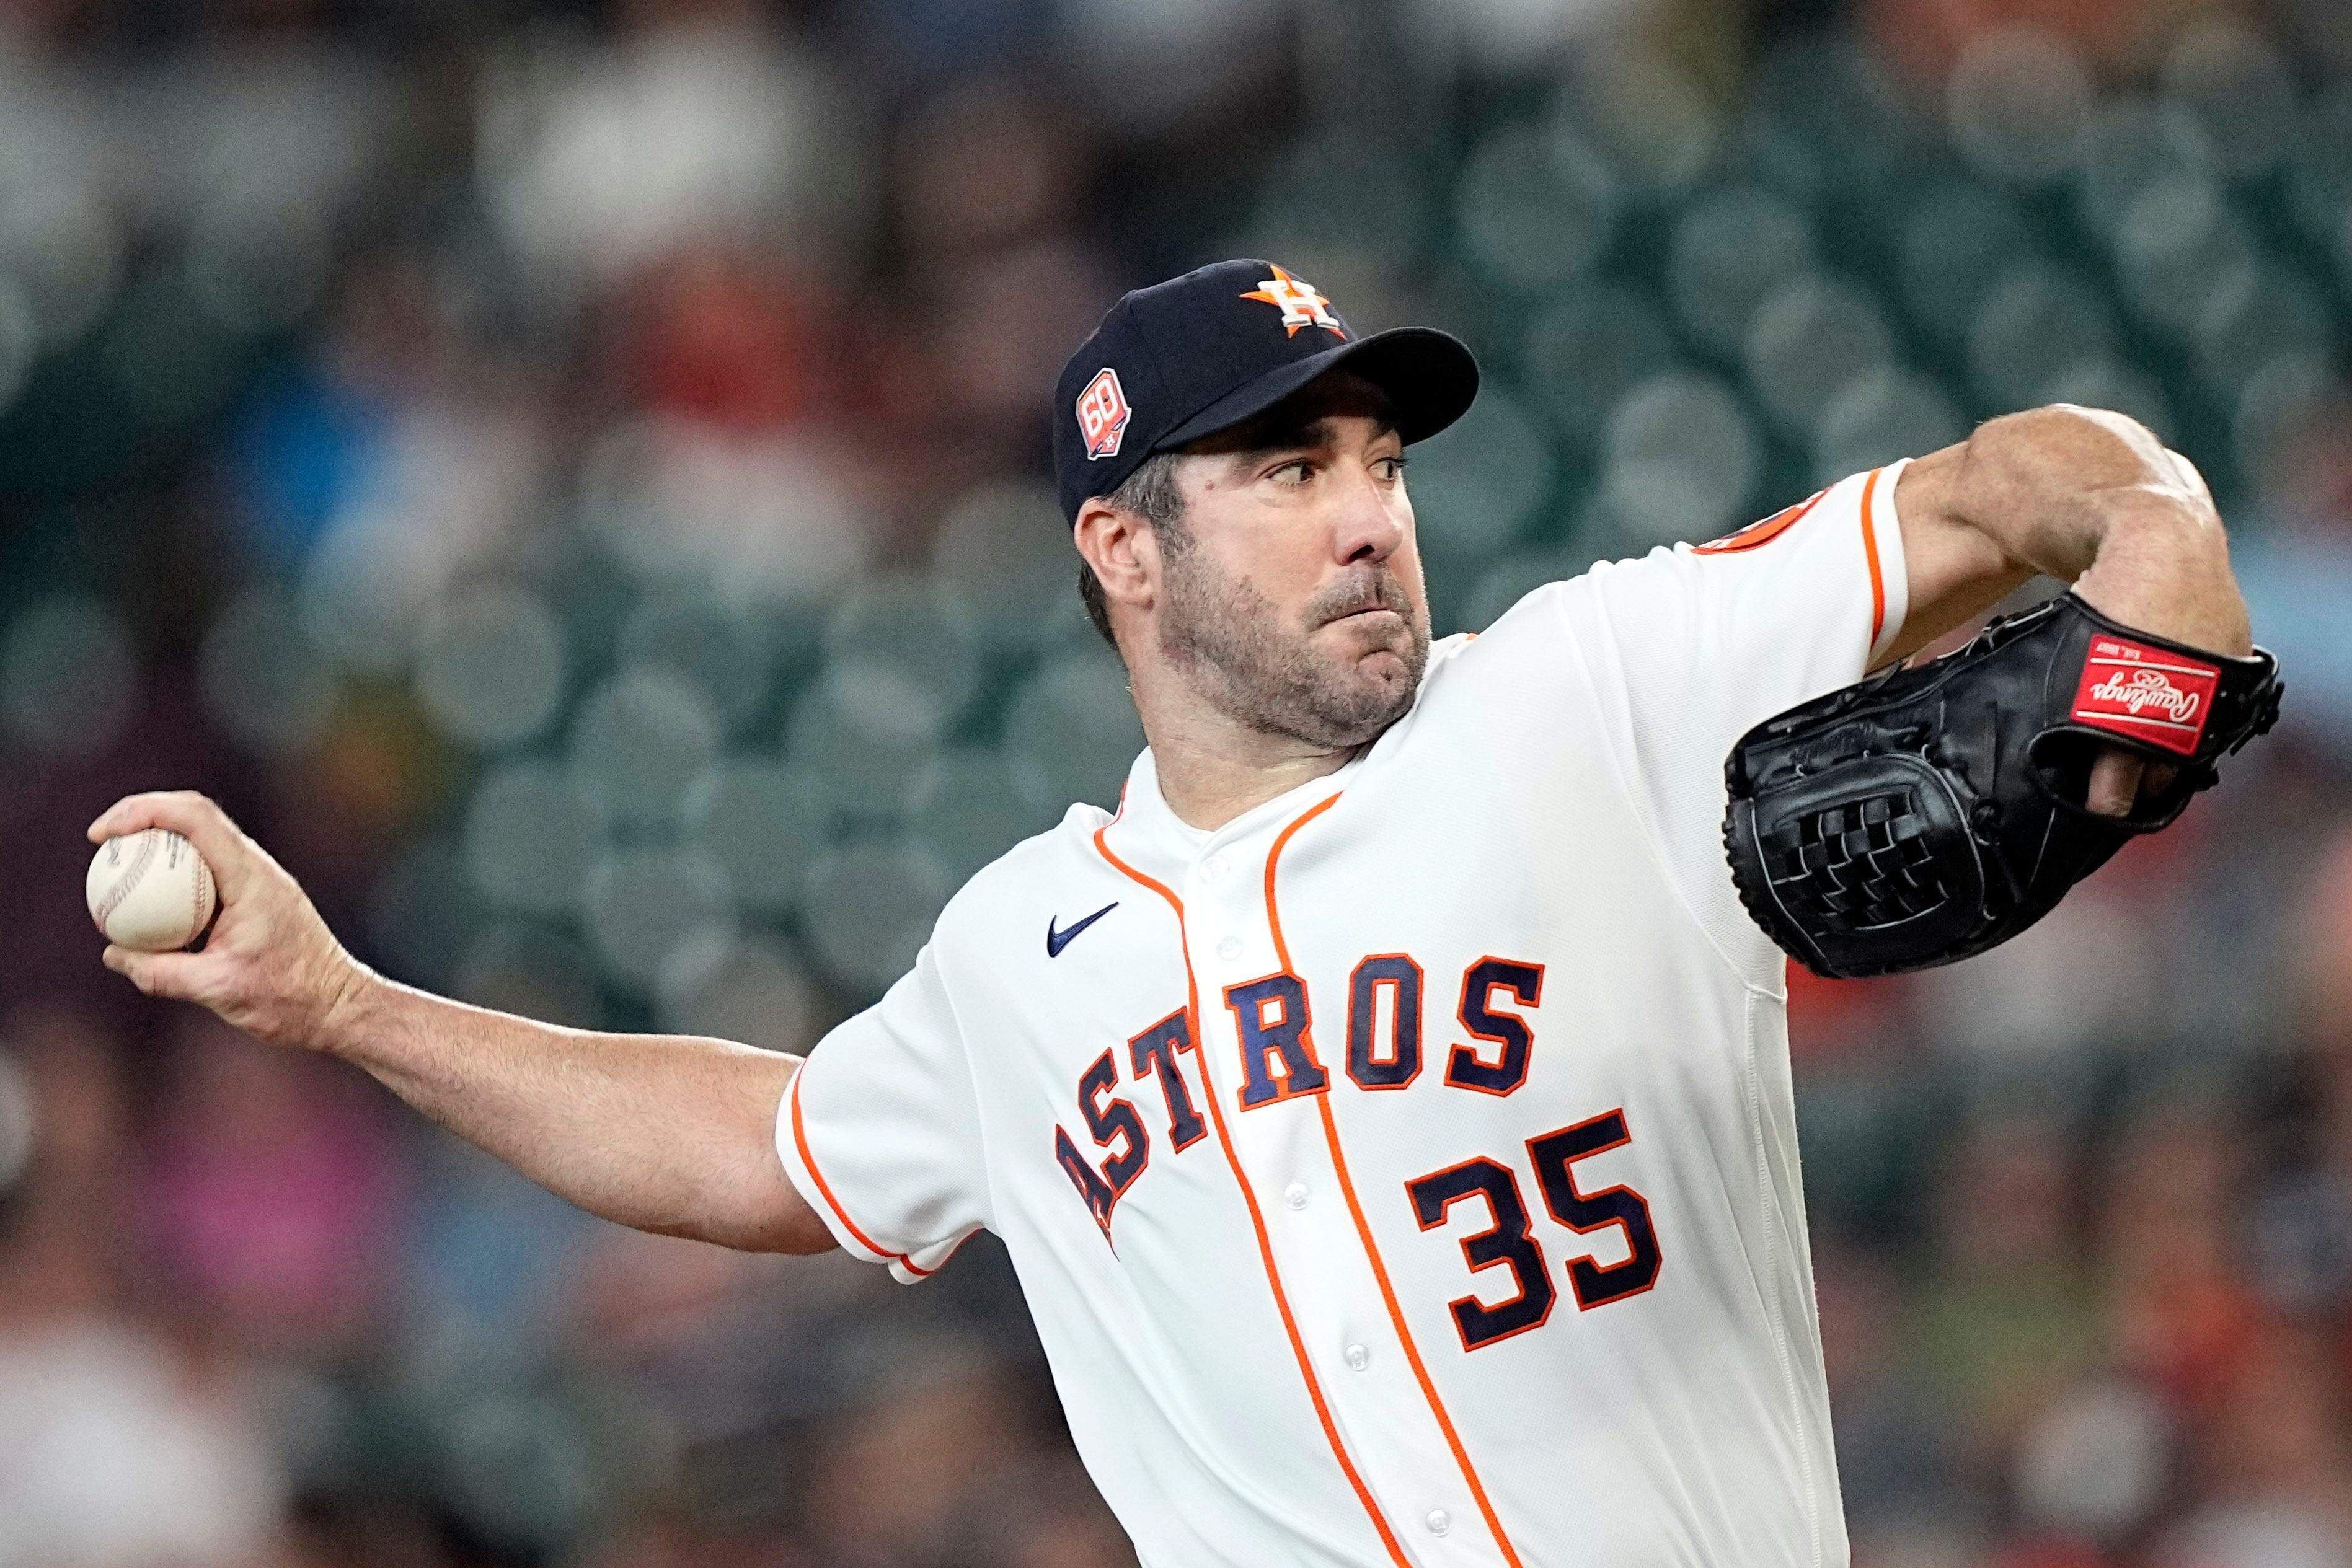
x: 2090, y: 497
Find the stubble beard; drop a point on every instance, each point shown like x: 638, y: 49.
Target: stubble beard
x: 1235, y: 648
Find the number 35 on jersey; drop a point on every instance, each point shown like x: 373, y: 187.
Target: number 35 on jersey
x: 1385, y: 1024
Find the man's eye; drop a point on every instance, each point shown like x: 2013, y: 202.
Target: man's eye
x: 1293, y: 472
x: 1392, y: 468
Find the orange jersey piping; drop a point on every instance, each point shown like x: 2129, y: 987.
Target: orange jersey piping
x: 799, y: 1140
x: 1364, y: 1229
x: 1870, y: 554
x: 1249, y: 1197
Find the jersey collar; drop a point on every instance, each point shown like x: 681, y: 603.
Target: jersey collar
x: 1148, y: 833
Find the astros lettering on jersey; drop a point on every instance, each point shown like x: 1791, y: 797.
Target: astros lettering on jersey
x: 1405, y: 1172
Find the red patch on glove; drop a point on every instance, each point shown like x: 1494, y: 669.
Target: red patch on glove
x: 2151, y: 693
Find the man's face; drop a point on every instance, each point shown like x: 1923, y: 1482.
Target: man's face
x: 1291, y: 592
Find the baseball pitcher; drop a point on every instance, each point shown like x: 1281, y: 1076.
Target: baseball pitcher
x: 1387, y: 1106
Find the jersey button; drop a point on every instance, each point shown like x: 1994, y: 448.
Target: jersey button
x: 1295, y: 1195
x: 1440, y: 1522
x: 1358, y: 1357
x: 1213, y: 869
x: 1230, y: 948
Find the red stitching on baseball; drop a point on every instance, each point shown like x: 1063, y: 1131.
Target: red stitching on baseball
x: 148, y: 840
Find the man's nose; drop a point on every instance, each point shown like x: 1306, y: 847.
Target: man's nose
x: 1368, y: 525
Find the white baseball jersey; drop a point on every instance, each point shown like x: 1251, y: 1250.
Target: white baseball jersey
x: 1405, y: 1172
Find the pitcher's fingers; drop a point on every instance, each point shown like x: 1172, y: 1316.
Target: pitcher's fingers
x: 104, y: 827
x: 157, y: 973
x: 195, y: 818
x: 147, y: 808
x: 2114, y: 783
x: 134, y: 812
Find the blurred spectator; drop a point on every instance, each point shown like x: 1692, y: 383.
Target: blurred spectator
x: 698, y: 123
x: 2010, y: 1313
x: 124, y: 1440
x: 272, y: 1191
x: 2185, y: 1312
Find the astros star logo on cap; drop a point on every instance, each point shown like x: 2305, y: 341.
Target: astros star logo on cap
x: 1301, y: 305
x: 1185, y: 358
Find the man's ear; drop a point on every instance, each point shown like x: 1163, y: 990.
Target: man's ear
x: 1123, y: 551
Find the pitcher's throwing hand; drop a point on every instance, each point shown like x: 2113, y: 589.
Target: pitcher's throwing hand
x: 271, y: 966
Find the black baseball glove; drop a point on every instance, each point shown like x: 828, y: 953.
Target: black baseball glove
x: 1927, y: 814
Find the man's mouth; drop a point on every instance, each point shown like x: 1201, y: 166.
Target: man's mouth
x: 1376, y: 603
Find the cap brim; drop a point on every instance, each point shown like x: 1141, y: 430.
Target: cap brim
x: 1428, y: 376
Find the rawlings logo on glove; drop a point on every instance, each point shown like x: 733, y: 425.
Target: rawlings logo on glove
x: 2122, y: 681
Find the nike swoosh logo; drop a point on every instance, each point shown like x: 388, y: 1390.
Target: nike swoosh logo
x: 1057, y: 940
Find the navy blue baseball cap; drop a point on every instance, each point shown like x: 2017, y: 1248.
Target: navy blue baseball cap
x: 1203, y: 352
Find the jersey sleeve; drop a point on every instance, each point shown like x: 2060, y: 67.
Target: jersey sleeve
x: 879, y: 1130
x: 1691, y: 647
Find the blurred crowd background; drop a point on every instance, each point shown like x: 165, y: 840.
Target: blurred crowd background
x: 572, y: 479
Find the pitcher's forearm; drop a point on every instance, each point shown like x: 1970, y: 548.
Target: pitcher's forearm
x: 2087, y: 496
x: 2094, y: 499
x: 673, y: 1135
x: 664, y: 1133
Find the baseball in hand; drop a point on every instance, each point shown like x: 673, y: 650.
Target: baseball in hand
x: 150, y: 891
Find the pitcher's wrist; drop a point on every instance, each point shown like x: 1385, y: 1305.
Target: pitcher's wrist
x: 353, y: 994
